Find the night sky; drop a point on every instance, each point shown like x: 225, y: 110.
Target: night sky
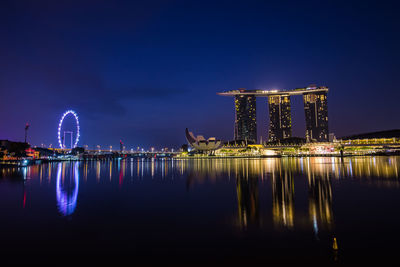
x: 144, y: 71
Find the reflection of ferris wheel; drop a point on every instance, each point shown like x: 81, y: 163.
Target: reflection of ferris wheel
x: 61, y: 141
x: 67, y: 200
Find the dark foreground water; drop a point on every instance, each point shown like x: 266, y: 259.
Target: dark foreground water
x: 203, y: 212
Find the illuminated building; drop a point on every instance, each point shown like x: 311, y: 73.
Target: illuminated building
x: 280, y: 126
x: 200, y: 143
x: 316, y: 111
x: 245, y: 118
x: 280, y: 120
x: 32, y: 153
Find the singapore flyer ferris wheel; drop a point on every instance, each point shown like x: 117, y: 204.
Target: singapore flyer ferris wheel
x: 61, y: 139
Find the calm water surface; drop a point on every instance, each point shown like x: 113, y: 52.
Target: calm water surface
x: 195, y: 212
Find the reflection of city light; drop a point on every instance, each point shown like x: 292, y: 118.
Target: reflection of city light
x: 24, y: 171
x: 110, y: 169
x: 98, y: 171
x: 315, y: 224
x: 66, y: 201
x: 283, y: 200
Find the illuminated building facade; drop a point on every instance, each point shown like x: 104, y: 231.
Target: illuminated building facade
x: 280, y: 119
x: 280, y: 125
x: 316, y: 111
x: 245, y: 118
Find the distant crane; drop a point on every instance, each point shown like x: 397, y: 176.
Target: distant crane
x: 121, y: 145
x: 26, y: 131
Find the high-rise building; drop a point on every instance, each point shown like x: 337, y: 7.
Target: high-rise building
x: 280, y: 119
x: 245, y: 118
x: 280, y: 125
x: 316, y: 111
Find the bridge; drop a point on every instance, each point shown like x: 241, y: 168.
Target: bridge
x: 134, y: 154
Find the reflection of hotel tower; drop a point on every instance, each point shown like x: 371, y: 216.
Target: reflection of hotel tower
x: 320, y: 202
x: 280, y: 126
x: 248, y: 202
x: 283, y: 200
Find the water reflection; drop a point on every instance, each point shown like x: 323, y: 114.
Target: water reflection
x: 382, y: 171
x: 251, y: 176
x: 300, y: 204
x: 274, y: 177
x: 248, y: 201
x: 283, y: 199
x: 67, y: 187
x: 320, y: 203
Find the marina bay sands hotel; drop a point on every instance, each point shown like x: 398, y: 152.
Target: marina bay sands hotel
x: 280, y: 124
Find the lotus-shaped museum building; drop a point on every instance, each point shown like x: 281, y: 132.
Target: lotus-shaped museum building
x: 200, y: 143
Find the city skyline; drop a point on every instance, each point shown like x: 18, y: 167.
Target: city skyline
x: 223, y: 132
x: 143, y: 72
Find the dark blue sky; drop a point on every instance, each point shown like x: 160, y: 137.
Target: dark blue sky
x: 143, y: 71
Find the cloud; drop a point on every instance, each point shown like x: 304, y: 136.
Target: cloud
x: 151, y: 92
x: 83, y: 91
x: 87, y: 92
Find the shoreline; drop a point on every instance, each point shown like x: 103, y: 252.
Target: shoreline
x: 25, y: 163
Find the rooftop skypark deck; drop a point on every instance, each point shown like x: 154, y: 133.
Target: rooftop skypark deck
x: 266, y: 93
